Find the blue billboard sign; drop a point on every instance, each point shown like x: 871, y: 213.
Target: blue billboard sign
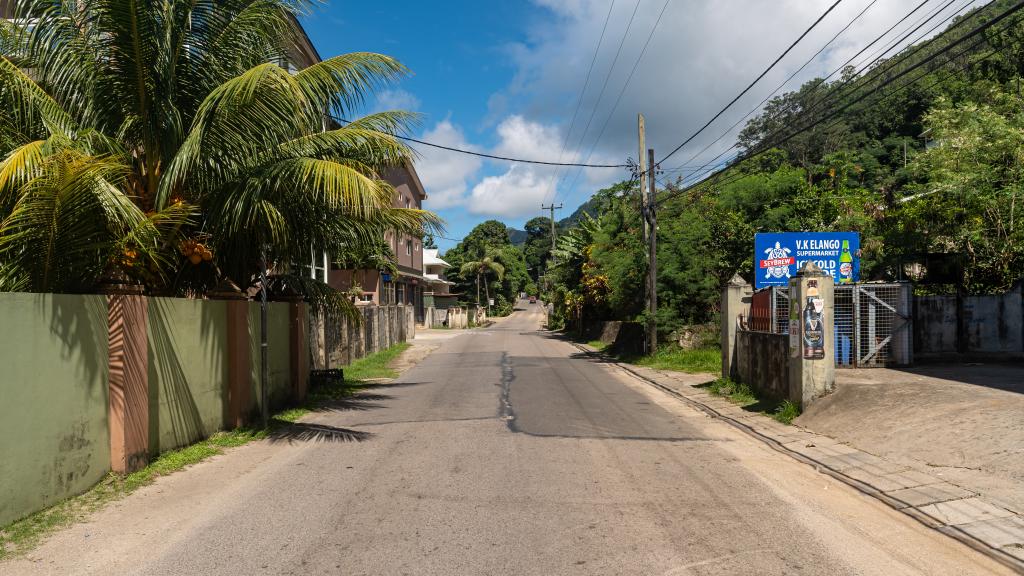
x: 778, y: 256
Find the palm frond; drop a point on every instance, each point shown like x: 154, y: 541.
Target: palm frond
x: 342, y: 83
x: 321, y: 298
x: 28, y: 106
x: 67, y: 223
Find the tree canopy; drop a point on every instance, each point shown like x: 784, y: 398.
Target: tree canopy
x: 169, y: 144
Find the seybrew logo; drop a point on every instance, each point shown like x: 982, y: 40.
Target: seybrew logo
x: 777, y: 263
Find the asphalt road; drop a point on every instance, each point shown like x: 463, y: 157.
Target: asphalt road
x: 503, y: 452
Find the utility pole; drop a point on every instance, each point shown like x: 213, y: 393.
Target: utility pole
x: 642, y: 166
x: 652, y: 256
x: 552, y: 208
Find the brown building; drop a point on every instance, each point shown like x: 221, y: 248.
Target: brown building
x: 408, y: 285
x: 405, y: 287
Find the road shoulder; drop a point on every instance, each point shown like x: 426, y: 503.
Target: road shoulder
x: 952, y: 510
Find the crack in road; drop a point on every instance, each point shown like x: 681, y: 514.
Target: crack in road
x: 507, y: 376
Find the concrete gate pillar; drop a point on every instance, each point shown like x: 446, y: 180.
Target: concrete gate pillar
x: 812, y: 365
x: 128, y: 366
x: 298, y: 332
x: 735, y: 300
x: 239, y: 384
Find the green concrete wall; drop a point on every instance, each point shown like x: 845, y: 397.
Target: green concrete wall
x: 278, y: 353
x: 188, y: 370
x: 54, y: 440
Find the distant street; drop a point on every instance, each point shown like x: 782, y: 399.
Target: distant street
x: 505, y: 451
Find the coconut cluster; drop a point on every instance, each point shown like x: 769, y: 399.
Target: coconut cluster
x: 195, y: 251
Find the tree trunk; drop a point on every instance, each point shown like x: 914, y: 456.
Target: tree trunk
x: 487, y: 293
x: 478, y: 289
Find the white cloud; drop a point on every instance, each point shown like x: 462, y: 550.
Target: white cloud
x: 524, y: 139
x: 446, y: 174
x: 396, y: 100
x: 523, y: 187
x: 519, y: 191
x: 704, y: 52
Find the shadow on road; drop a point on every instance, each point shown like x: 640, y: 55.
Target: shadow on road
x: 357, y: 401
x: 336, y: 396
x: 306, y: 432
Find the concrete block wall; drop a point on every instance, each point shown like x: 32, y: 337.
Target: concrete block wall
x: 99, y: 383
x: 622, y: 337
x: 379, y: 327
x: 985, y: 326
x: 761, y: 361
x: 188, y: 362
x: 454, y: 317
x: 53, y: 399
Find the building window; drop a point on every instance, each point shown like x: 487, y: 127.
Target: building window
x: 408, y: 247
x: 408, y: 203
x: 400, y: 297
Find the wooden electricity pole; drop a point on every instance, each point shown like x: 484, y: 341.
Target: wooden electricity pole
x: 642, y: 166
x: 652, y: 257
x: 552, y: 208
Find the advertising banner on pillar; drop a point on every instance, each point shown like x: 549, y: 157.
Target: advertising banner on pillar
x: 778, y: 256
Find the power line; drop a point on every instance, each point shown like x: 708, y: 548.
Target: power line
x: 604, y: 86
x: 836, y: 87
x: 978, y: 30
x: 856, y: 81
x: 618, y: 98
x: 823, y: 82
x: 751, y: 85
x: 924, y: 18
x: 579, y: 101
x: 781, y: 86
x: 739, y: 175
x: 490, y: 156
x: 861, y: 80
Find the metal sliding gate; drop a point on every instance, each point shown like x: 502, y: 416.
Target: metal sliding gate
x: 872, y: 323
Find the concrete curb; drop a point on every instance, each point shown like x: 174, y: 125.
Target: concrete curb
x: 947, y: 508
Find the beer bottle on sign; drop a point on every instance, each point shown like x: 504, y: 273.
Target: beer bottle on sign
x: 846, y: 264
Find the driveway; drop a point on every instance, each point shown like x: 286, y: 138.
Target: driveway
x: 962, y: 422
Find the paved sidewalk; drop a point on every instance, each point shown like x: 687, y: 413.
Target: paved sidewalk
x: 946, y: 507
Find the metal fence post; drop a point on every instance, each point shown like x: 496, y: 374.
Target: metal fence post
x: 855, y: 355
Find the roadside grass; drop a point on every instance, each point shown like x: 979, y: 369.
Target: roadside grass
x: 670, y: 357
x: 747, y: 398
x: 376, y: 365
x: 708, y: 359
x: 786, y: 412
x: 675, y: 358
x: 22, y: 535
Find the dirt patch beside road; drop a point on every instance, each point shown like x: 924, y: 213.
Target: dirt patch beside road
x: 959, y: 422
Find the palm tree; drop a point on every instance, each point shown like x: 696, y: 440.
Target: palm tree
x: 483, y: 267
x: 168, y: 142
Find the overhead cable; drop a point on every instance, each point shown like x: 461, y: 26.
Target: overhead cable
x: 751, y: 85
x: 490, y: 156
x: 835, y: 113
x: 586, y: 83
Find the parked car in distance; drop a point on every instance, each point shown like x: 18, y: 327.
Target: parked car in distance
x: 533, y: 299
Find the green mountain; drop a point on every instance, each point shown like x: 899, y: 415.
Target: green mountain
x: 518, y: 237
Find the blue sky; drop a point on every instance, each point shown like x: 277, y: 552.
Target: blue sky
x: 459, y: 57
x: 505, y: 78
